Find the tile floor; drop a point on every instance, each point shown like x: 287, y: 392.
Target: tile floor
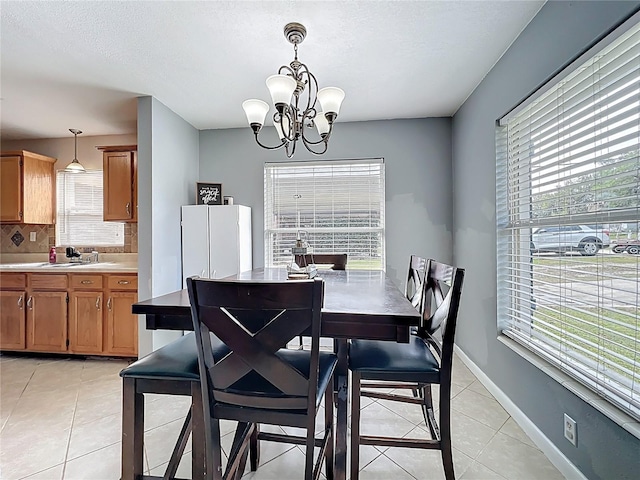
x: 61, y: 420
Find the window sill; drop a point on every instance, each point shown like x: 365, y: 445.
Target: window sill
x: 627, y: 422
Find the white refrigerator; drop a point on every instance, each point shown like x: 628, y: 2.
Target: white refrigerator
x: 216, y: 240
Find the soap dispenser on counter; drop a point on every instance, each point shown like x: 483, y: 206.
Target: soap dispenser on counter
x: 52, y: 255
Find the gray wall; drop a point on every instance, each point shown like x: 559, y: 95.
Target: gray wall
x: 417, y: 156
x: 559, y: 32
x: 167, y: 174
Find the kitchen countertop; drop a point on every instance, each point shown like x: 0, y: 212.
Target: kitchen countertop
x: 38, y: 263
x: 40, y: 267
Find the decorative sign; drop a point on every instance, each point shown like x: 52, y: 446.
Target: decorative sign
x: 209, y: 193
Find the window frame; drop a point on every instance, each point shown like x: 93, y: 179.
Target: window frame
x: 516, y: 224
x: 313, y: 175
x: 94, y: 215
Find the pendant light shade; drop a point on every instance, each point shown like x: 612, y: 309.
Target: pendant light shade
x: 75, y: 166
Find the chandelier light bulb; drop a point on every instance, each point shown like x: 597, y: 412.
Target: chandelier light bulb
x: 322, y: 124
x: 256, y: 111
x: 286, y: 132
x: 331, y: 98
x: 281, y: 88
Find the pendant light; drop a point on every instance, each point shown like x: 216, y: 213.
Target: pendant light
x: 75, y: 166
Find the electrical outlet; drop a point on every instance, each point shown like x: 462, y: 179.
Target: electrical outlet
x: 32, y: 236
x: 570, y: 430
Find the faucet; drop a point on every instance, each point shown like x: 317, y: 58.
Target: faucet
x: 94, y: 257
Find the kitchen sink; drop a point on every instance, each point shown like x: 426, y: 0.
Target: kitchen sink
x: 69, y: 264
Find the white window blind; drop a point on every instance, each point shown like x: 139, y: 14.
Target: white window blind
x: 338, y: 205
x: 79, y: 212
x: 568, y: 185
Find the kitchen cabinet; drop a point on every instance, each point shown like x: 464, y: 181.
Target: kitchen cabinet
x: 85, y: 314
x: 120, y: 189
x: 121, y: 332
x: 47, y: 312
x: 79, y: 313
x: 13, y: 297
x: 27, y: 188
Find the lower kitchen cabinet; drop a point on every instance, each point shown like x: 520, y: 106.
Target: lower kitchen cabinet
x: 47, y: 321
x: 87, y: 314
x: 12, y: 320
x: 121, y: 325
x: 85, y: 322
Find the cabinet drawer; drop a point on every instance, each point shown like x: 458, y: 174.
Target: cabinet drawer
x: 122, y: 282
x: 87, y: 282
x: 44, y: 281
x: 13, y: 280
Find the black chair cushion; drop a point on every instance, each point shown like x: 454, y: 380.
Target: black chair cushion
x: 254, y: 384
x: 402, y: 362
x: 176, y: 361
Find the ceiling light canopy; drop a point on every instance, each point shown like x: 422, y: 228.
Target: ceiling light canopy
x: 75, y: 166
x: 299, y: 105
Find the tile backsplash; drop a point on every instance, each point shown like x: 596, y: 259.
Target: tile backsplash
x: 17, y: 239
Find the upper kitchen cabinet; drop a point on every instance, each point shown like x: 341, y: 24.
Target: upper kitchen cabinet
x: 120, y: 183
x: 27, y: 188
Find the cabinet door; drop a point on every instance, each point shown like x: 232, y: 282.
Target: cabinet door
x: 122, y: 325
x: 118, y: 179
x: 10, y: 189
x: 85, y: 322
x: 47, y: 321
x: 12, y: 320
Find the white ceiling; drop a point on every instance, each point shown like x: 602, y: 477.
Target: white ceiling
x: 82, y: 64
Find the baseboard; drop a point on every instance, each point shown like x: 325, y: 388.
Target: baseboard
x: 555, y: 456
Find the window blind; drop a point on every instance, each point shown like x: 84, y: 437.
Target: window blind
x: 337, y: 206
x: 79, y: 212
x: 568, y: 199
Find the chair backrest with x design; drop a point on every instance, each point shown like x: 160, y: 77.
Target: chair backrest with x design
x: 441, y: 298
x: 413, y: 289
x: 255, y: 320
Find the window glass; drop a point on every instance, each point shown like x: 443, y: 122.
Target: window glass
x: 568, y: 217
x: 79, y: 212
x: 335, y: 206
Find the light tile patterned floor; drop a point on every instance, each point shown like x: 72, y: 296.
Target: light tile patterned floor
x: 61, y: 420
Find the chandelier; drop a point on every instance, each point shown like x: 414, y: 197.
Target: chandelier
x: 295, y: 95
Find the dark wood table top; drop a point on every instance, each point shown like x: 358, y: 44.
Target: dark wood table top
x: 357, y: 304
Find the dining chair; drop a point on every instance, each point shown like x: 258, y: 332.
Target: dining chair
x: 415, y: 278
x: 258, y: 381
x: 427, y: 359
x: 170, y: 370
x: 414, y: 292
x: 337, y: 261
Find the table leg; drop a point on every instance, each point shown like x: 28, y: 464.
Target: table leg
x: 342, y: 396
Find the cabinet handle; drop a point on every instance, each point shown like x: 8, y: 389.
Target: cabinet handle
x: 109, y: 304
x: 98, y: 303
x: 86, y: 282
x: 30, y: 303
x: 128, y: 209
x: 123, y: 282
x: 20, y: 302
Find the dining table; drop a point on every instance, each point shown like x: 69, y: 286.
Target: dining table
x: 358, y: 304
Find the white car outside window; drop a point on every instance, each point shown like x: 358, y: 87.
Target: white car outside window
x: 587, y: 240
